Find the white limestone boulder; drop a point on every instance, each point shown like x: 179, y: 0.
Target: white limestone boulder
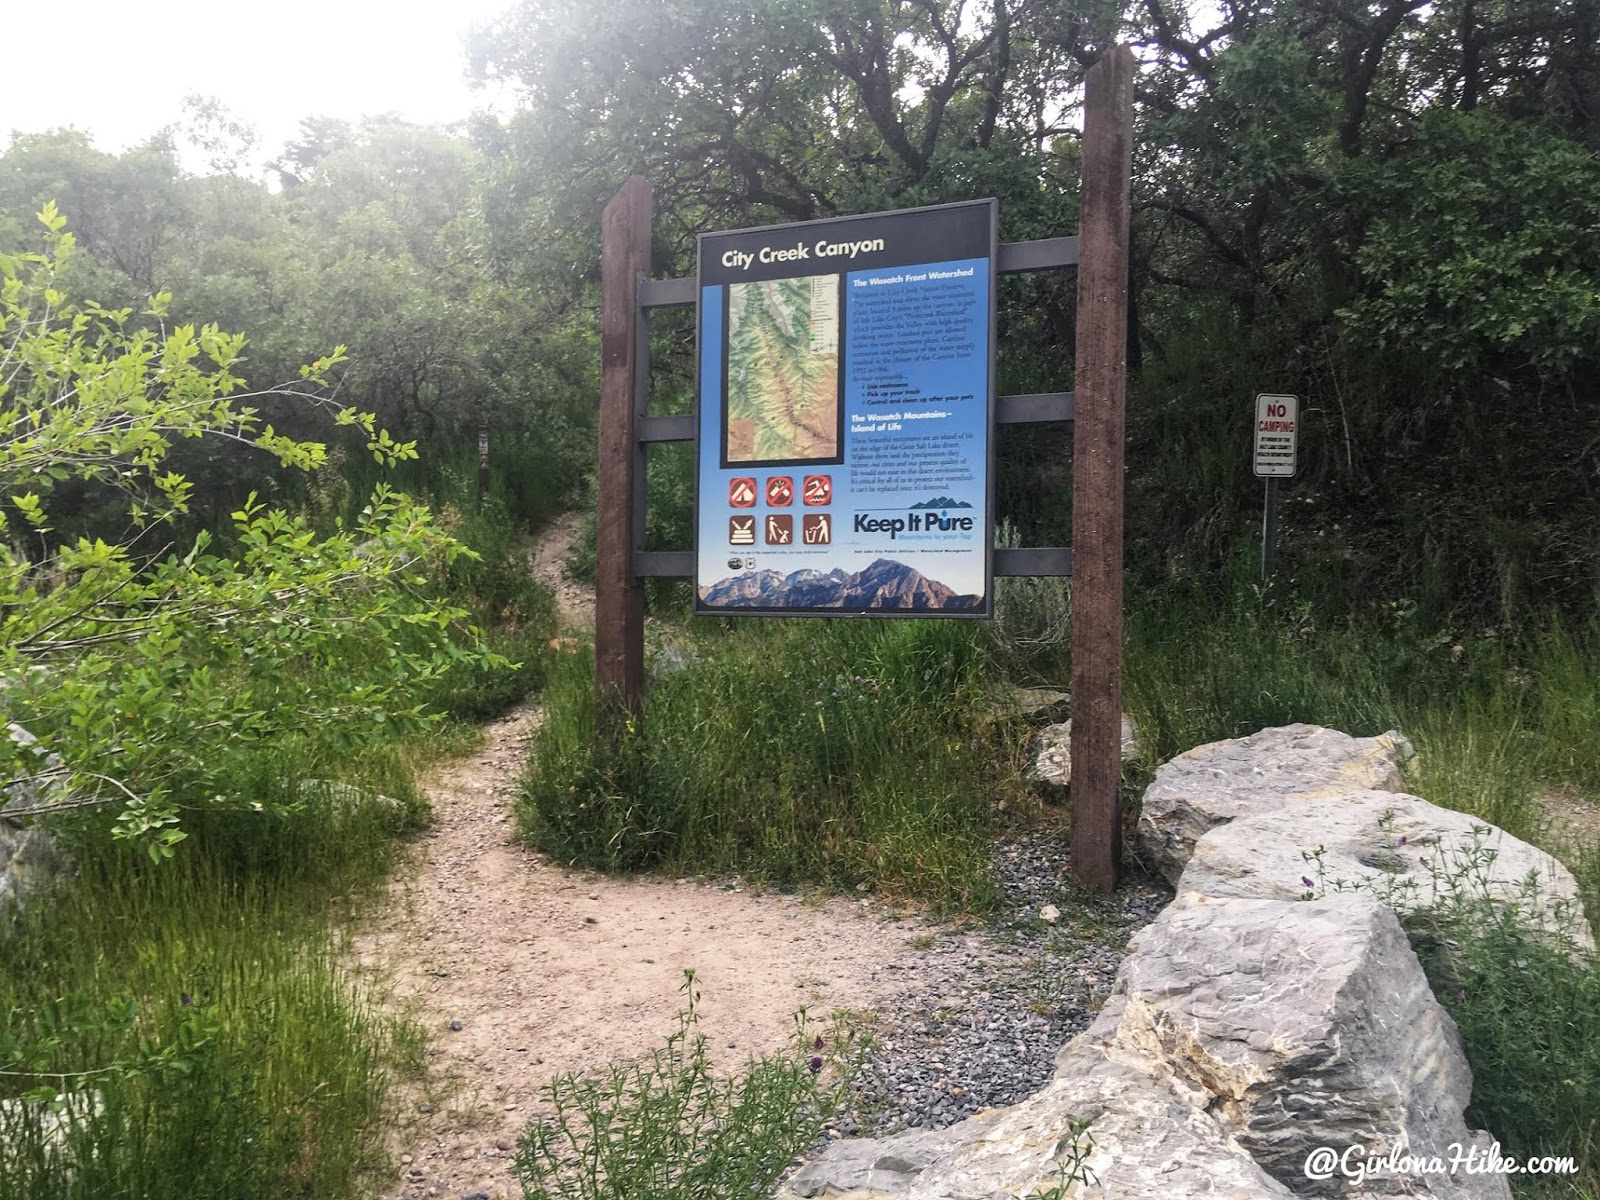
x: 1241, y: 1036
x: 1296, y: 1026
x: 1406, y: 852
x: 1223, y: 781
x: 1052, y: 753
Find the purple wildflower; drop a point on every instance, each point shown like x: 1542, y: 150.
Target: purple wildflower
x: 1306, y: 879
x: 816, y: 1065
x: 1402, y: 840
x: 818, y: 1044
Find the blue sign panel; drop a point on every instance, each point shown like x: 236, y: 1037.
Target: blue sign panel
x: 846, y: 388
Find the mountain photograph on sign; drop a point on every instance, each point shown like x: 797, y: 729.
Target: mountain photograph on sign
x: 885, y: 584
x: 783, y: 370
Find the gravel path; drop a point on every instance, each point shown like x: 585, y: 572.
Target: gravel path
x: 980, y: 1014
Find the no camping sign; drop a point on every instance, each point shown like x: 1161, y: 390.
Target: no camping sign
x: 1277, y: 422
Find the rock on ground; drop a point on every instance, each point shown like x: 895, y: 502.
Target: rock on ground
x: 1197, y: 1081
x: 1274, y: 1008
x: 1052, y: 752
x: 1221, y: 782
x: 1409, y: 853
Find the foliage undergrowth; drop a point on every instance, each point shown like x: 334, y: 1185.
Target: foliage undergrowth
x: 791, y: 752
x: 516, y: 612
x: 188, y: 1028
x: 669, y: 1128
x: 1508, y: 964
x: 1497, y: 715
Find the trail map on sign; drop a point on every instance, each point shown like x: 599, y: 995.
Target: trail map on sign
x: 783, y: 370
x: 844, y: 401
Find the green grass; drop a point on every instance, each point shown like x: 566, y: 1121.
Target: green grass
x: 792, y: 752
x: 197, y: 1017
x: 1497, y: 717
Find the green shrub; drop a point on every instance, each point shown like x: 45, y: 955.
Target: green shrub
x: 1529, y: 1014
x: 669, y: 1129
x: 837, y: 753
x: 516, y: 611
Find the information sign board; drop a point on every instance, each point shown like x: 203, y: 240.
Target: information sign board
x: 1277, y: 419
x: 845, y: 404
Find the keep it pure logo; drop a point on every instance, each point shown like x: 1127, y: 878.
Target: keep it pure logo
x: 913, y: 522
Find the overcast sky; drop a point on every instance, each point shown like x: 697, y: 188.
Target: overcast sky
x: 119, y: 71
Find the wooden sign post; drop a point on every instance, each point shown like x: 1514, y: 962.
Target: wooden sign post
x: 1097, y: 442
x: 1100, y: 252
x: 619, y: 592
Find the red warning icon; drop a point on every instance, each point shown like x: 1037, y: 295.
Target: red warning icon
x: 742, y: 492
x: 780, y: 491
x: 818, y: 489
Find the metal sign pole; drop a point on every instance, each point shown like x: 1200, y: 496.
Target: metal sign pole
x: 1269, y: 529
x: 483, y: 462
x: 1277, y: 429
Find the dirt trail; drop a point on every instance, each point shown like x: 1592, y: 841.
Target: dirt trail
x: 574, y: 602
x: 520, y: 969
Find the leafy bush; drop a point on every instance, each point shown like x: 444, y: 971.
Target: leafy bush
x: 145, y: 678
x: 516, y: 611
x: 669, y: 1129
x: 1528, y: 1009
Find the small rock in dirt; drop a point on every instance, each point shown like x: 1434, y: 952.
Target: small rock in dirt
x: 502, y: 1143
x: 456, y: 1026
x: 474, y: 1196
x: 594, y: 895
x: 591, y: 921
x: 405, y: 1158
x: 425, y: 1107
x: 1049, y: 914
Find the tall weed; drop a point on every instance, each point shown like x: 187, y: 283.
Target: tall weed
x: 836, y: 753
x: 189, y: 1028
x: 669, y: 1128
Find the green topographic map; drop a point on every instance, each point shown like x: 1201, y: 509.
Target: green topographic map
x: 783, y: 370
